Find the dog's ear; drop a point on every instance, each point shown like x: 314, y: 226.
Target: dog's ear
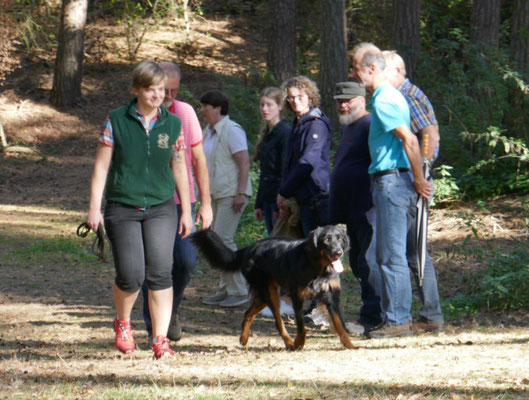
x: 314, y: 235
x: 345, y: 239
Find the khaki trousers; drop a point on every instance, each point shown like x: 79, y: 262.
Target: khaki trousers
x: 225, y: 222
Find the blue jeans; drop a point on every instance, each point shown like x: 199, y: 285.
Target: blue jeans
x: 366, y: 271
x: 395, y: 201
x: 184, y: 263
x: 428, y: 292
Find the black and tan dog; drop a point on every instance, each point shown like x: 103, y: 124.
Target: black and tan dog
x: 305, y: 268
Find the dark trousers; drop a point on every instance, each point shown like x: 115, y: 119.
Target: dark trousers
x: 184, y: 263
x: 142, y: 244
x: 269, y: 209
x: 360, y: 235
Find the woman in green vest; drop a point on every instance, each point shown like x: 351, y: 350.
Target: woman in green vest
x: 140, y: 161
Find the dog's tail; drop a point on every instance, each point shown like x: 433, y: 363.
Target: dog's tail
x: 216, y: 253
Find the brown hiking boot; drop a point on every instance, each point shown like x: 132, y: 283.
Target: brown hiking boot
x: 388, y: 331
x: 423, y: 325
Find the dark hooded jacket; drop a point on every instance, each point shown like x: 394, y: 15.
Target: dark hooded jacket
x: 307, y: 170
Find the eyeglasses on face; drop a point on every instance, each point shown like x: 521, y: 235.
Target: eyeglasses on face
x: 299, y: 98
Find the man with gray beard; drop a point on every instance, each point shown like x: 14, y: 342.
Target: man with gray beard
x: 350, y: 201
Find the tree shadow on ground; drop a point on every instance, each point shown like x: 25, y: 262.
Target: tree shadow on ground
x: 345, y: 390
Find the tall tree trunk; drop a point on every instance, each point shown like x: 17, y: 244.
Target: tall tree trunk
x: 520, y: 34
x: 281, y: 57
x: 66, y: 89
x: 485, y: 23
x: 333, y: 59
x: 406, y: 33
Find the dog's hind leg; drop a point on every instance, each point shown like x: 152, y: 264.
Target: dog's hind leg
x: 334, y: 307
x: 274, y: 304
x: 249, y: 316
x: 301, y: 333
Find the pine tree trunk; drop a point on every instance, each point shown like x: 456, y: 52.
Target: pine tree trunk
x: 66, y: 89
x: 405, y: 32
x: 485, y: 23
x: 281, y: 57
x: 333, y: 58
x: 520, y: 34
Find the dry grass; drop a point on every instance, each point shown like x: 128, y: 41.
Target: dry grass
x: 56, y: 340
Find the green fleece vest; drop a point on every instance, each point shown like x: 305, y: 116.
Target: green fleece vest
x: 140, y: 174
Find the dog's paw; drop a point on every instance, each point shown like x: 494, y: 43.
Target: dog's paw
x: 289, y: 345
x: 347, y: 343
x: 298, y: 347
x: 299, y: 343
x: 243, y: 340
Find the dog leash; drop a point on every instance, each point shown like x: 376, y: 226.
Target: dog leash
x: 98, y: 245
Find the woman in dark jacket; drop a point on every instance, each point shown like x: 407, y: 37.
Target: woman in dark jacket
x: 306, y: 175
x: 271, y: 151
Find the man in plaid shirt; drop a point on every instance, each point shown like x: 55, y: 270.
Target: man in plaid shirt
x: 423, y: 123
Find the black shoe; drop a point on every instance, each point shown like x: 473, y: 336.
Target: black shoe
x: 369, y: 324
x: 175, y: 329
x: 361, y: 327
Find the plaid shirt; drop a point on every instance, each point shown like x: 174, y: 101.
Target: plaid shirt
x: 421, y: 110
x: 106, y: 135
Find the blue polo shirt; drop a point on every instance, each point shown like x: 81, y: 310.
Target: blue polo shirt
x: 389, y: 111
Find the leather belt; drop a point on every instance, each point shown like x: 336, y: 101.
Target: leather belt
x: 390, y: 171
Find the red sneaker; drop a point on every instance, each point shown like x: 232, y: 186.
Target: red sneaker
x: 124, y: 339
x: 161, y: 347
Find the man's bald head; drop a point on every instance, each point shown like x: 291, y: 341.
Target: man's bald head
x: 173, y: 81
x: 368, y: 65
x: 369, y: 54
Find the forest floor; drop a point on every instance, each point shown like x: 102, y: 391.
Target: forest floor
x: 56, y: 311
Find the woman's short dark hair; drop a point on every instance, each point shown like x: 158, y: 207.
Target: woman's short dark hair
x: 216, y: 98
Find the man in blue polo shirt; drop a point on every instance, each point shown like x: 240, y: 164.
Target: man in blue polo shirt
x: 397, y: 178
x: 423, y: 125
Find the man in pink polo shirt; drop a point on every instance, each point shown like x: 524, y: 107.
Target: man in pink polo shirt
x: 184, y: 253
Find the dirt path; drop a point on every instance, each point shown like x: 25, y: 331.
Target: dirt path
x: 56, y: 339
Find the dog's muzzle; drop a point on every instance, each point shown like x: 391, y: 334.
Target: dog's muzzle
x: 336, y: 264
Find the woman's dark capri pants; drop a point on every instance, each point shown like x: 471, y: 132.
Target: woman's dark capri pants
x: 142, y: 244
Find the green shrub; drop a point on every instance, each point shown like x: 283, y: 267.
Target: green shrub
x: 501, y: 166
x: 473, y: 90
x: 503, y: 286
x: 445, y: 186
x: 36, y: 24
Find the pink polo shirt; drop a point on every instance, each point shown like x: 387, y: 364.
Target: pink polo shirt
x: 192, y: 137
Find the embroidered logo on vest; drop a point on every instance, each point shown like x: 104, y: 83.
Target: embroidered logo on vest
x: 163, y: 141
